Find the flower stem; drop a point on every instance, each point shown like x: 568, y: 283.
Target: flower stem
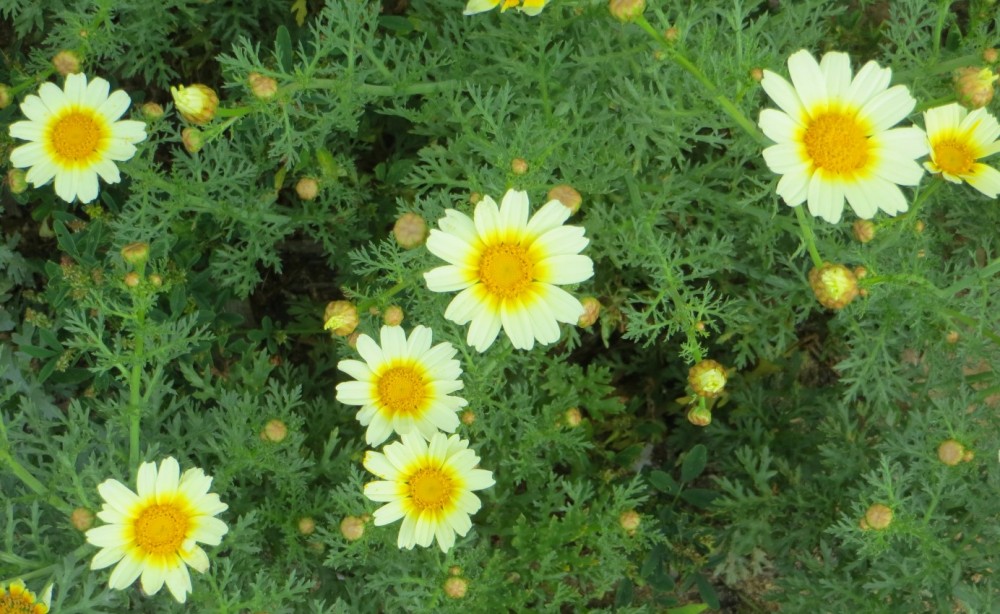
x: 22, y: 473
x: 135, y: 382
x: 805, y: 228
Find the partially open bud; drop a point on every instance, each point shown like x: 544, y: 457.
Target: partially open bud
x: 468, y: 417
x: 307, y: 526
x: 6, y: 96
x: 274, y: 431
x: 519, y: 166
x: 196, y: 103
x: 262, y: 87
x: 132, y: 279
x: 410, y: 230
x: 699, y: 416
x: 878, y: 517
x: 591, y: 310
x: 974, y: 86
x: 757, y: 74
x: 864, y: 230
x: 950, y: 452
x: 136, y: 254
x: 629, y: 520
x: 626, y: 10
x: 456, y: 587
x: 393, y: 315
x: 307, y: 188
x: 707, y: 378
x: 352, y: 528
x: 152, y: 110
x: 573, y: 417
x: 17, y: 180
x: 567, y: 195
x: 193, y: 139
x: 990, y: 55
x: 66, y: 63
x: 835, y: 285
x: 81, y: 519
x: 340, y: 317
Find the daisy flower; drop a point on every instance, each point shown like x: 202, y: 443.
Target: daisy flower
x: 957, y: 139
x: 835, y: 138
x: 507, y: 268
x: 429, y: 486
x: 75, y: 135
x: 17, y: 599
x: 530, y: 7
x: 155, y: 532
x: 403, y: 385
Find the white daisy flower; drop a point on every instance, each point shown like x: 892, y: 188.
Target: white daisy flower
x: 429, y: 486
x: 835, y: 138
x: 403, y: 385
x: 957, y: 139
x: 508, y: 268
x: 155, y: 533
x: 75, y: 135
x: 529, y: 7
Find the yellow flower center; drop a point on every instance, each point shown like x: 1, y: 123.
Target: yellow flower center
x: 402, y: 390
x: 953, y: 157
x: 506, y: 270
x: 431, y: 489
x: 712, y: 381
x: 20, y: 603
x: 836, y: 142
x: 507, y: 4
x: 76, y: 136
x: 161, y: 529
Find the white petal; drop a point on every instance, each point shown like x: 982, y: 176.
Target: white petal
x: 473, y: 7
x: 543, y: 323
x: 370, y: 351
x: 52, y: 97
x: 826, y: 198
x: 389, y: 513
x: 210, y: 530
x: 195, y: 558
x: 393, y: 342
x: 107, y: 170
x: 445, y: 537
x: 379, y: 430
x: 96, y: 93
x: 119, y: 150
x: 783, y: 95
x: 943, y: 119
x: 778, y: 126
x: 460, y: 225
x: 565, y: 307
x: 167, y: 479
x: 29, y: 131
x: 179, y: 583
x: 985, y: 178
x: 836, y: 67
x: 448, y: 278
x: 514, y: 211
x: 378, y: 464
x: 419, y: 341
x: 129, y: 130
x: 87, y: 188
x: 484, y: 330
x: 449, y: 248
x: 517, y: 325
x: 487, y: 219
x: 808, y: 80
x: 889, y: 108
x: 106, y: 536
x: 152, y: 579
x: 793, y: 187
x: 34, y: 109
x: 75, y: 88
x: 784, y: 157
x: 27, y: 155
x: 115, y: 106
x: 466, y: 305
x: 870, y: 80
x: 459, y: 522
x: 551, y: 215
x: 117, y: 495
x: 41, y: 173
x: 107, y: 557
x: 125, y: 573
x: 565, y: 269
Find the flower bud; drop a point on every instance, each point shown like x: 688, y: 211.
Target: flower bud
x: 307, y: 526
x: 152, y: 110
x: 352, y: 339
x: 393, y: 315
x: 626, y: 10
x: 591, y: 310
x: 835, y: 285
x: 307, y: 188
x: 757, y: 74
x: 474, y: 198
x: 864, y: 230
x: 17, y: 180
x: 629, y: 520
x: 672, y: 34
x: 699, y: 416
x: 952, y: 337
x: 519, y: 166
x: 878, y: 516
x: 468, y: 417
x: 455, y: 570
x: 573, y: 417
x: 81, y: 519
x: 352, y: 528
x: 567, y: 195
x: 950, y: 452
x: 340, y: 317
x: 6, y: 95
x: 156, y: 280
x: 66, y: 63
x: 196, y: 103
x: 990, y: 55
x: 132, y: 279
x: 274, y: 431
x: 456, y: 587
x: 410, y: 230
x: 262, y: 87
x: 193, y: 139
x: 968, y: 456
x: 974, y: 86
x: 707, y: 378
x: 136, y: 254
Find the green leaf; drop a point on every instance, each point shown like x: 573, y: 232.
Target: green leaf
x: 662, y: 481
x: 707, y: 591
x: 283, y: 48
x: 694, y: 463
x: 691, y: 608
x: 699, y: 497
x: 625, y: 593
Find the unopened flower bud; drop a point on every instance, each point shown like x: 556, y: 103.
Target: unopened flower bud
x: 136, y: 254
x: 974, y: 86
x: 626, y: 10
x: 591, y: 310
x: 468, y: 417
x: 193, y: 139
x: 835, y: 285
x: 878, y: 516
x: 629, y: 520
x: 699, y: 416
x: 393, y: 315
x: 132, y: 279
x: 864, y: 230
x: 6, y: 95
x: 990, y: 55
x: 952, y: 337
x: 156, y: 280
x: 66, y: 63
x: 519, y: 166
x: 573, y: 417
x: 474, y: 198
x: 950, y: 452
x: 455, y: 570
x: 456, y: 587
x: 352, y: 528
x: 352, y: 339
x: 410, y: 230
x: 340, y: 317
x: 307, y: 188
x: 274, y: 431
x: 262, y: 87
x: 17, y: 180
x: 567, y: 195
x: 757, y: 74
x: 707, y: 378
x: 152, y: 110
x: 81, y: 519
x: 919, y: 227
x: 968, y: 456
x: 196, y: 103
x: 672, y: 34
x: 307, y: 526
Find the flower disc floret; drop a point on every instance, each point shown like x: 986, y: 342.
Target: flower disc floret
x: 508, y: 269
x: 834, y: 137
x: 429, y: 485
x: 403, y: 385
x: 74, y: 135
x: 155, y: 533
x: 958, y: 139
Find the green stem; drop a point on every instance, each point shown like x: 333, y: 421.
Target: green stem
x: 922, y: 196
x: 905, y: 279
x: 135, y: 384
x: 414, y: 89
x: 808, y: 237
x: 366, y: 304
x: 22, y: 473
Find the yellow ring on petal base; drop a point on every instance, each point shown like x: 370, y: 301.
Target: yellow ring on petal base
x: 506, y: 270
x: 836, y: 143
x: 77, y: 137
x: 160, y: 529
x: 431, y: 489
x: 402, y: 390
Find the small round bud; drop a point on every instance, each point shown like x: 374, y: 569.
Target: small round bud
x: 591, y: 311
x: 66, y: 63
x: 573, y: 417
x: 132, y: 279
x: 410, y: 230
x: 950, y: 452
x: 196, y: 103
x: 974, y: 86
x: 468, y: 417
x: 629, y: 520
x: 307, y: 526
x: 393, y: 315
x: 707, y: 378
x: 626, y: 10
x: 952, y: 337
x: 6, y: 95
x: 968, y: 456
x: 860, y: 272
x: 672, y: 34
x: 352, y: 528
x: 456, y: 587
x: 699, y: 326
x: 156, y: 280
x: 878, y: 516
x: 193, y: 139
x: 262, y: 87
x: 340, y: 317
x: 455, y: 570
x: 864, y: 230
x: 990, y: 55
x: 699, y: 416
x: 274, y: 431
x: 757, y: 74
x: 152, y: 110
x: 567, y: 195
x: 136, y: 254
x: 17, y: 180
x: 919, y: 227
x: 81, y: 519
x: 835, y: 285
x: 474, y: 198
x: 519, y: 166
x: 307, y: 188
